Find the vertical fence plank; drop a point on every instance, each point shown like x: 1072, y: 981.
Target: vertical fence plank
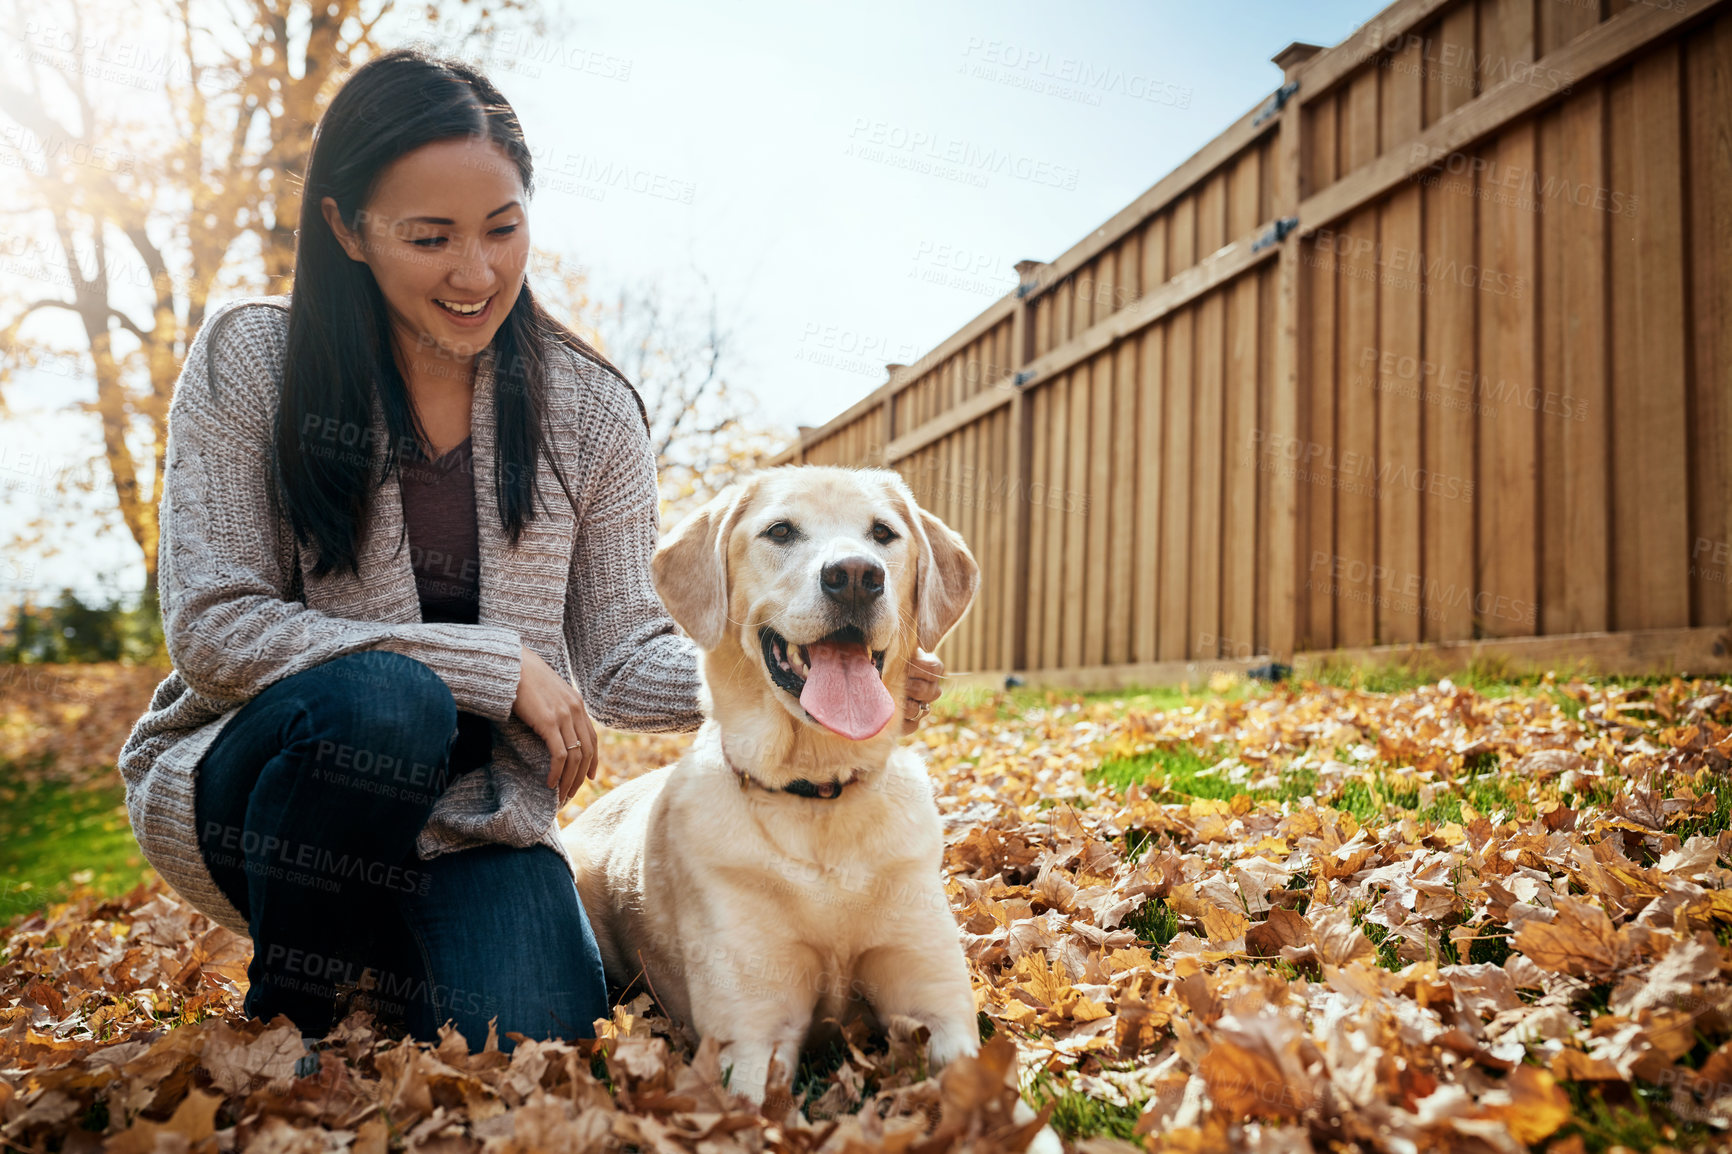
x: 1206, y: 475
x: 964, y: 443
x: 1096, y: 588
x: 1106, y: 282
x: 1649, y: 427
x: 1151, y: 399
x: 1286, y: 348
x: 1351, y: 459
x: 1154, y: 253
x: 1557, y: 24
x: 1507, y: 487
x: 1395, y: 372
x: 1708, y: 66
x: 1573, y: 402
x: 1058, y: 542
x: 1239, y: 569
x: 1316, y: 596
x: 1319, y: 117
x: 1039, y: 434
x: 1124, y: 504
x: 1076, y: 515
x: 1459, y: 37
x: 1274, y: 536
x: 1000, y: 508
x: 1176, y: 480
x: 944, y: 490
x: 1354, y: 451
x: 1450, y: 398
x: 1182, y: 236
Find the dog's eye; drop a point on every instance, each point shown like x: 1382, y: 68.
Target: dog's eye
x: 882, y: 533
x: 781, y: 531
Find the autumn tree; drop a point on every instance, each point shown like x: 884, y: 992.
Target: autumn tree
x: 155, y: 155
x: 682, y: 357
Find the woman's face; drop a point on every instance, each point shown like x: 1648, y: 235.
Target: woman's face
x: 447, y: 238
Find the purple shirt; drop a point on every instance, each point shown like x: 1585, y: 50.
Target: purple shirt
x: 445, y: 553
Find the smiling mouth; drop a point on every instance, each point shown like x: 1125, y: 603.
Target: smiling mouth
x: 791, y: 665
x: 460, y: 309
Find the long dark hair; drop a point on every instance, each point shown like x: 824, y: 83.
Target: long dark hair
x: 339, y: 339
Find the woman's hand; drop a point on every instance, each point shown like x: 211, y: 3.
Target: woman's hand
x: 549, y: 705
x: 925, y: 674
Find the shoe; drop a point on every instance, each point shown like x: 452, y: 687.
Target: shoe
x: 307, y: 1065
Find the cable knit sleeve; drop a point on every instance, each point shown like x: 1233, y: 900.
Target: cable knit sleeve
x: 635, y: 669
x: 223, y: 574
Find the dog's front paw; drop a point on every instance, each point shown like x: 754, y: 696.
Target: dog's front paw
x: 949, y: 1042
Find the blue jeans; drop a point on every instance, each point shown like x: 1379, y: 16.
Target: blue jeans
x: 308, y: 806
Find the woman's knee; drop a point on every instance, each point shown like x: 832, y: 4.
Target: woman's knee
x: 375, y: 708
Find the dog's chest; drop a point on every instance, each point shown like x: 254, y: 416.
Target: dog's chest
x: 842, y: 898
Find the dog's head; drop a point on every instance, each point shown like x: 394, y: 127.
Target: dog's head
x: 810, y: 587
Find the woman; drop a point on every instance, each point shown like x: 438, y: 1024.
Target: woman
x: 346, y: 714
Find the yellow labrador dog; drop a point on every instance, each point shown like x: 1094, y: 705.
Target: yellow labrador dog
x: 789, y: 865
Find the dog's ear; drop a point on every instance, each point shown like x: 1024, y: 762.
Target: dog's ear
x: 948, y: 576
x: 691, y: 566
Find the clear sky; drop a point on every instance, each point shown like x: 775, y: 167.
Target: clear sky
x: 855, y: 181
x: 859, y: 183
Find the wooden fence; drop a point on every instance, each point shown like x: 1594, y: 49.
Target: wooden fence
x: 1434, y: 345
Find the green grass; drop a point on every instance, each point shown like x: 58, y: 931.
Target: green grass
x: 1154, y: 924
x: 1489, y: 677
x: 1075, y: 1115
x: 50, y: 831
x: 1637, y: 1118
x: 1711, y: 825
x: 1181, y: 767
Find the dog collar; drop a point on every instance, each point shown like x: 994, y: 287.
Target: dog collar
x: 818, y: 790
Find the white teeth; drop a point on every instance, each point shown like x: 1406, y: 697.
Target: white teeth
x: 464, y: 310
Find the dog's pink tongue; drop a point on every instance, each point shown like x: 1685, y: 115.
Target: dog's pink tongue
x: 843, y: 691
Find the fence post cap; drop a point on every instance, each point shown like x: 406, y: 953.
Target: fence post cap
x: 1292, y: 56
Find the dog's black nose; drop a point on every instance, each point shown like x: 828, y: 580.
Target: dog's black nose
x: 855, y: 582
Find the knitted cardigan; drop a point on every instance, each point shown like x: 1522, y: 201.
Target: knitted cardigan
x: 241, y: 608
